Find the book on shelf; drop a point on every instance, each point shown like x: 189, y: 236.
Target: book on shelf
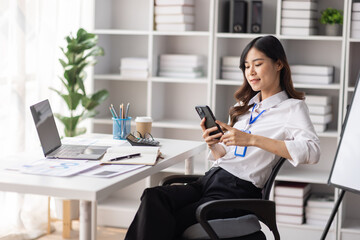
x: 298, y: 14
x: 174, y: 2
x: 180, y: 69
x: 290, y: 201
x: 134, y: 63
x: 292, y: 210
x: 232, y: 75
x: 180, y: 64
x: 299, y: 5
x: 292, y: 22
x: 321, y: 200
x: 355, y: 33
x: 317, y: 222
x: 320, y: 127
x: 318, y: 210
x: 292, y: 189
x: 180, y: 18
x: 356, y: 7
x: 298, y: 31
x: 174, y: 27
x: 321, y: 119
x: 317, y: 100
x: 312, y: 69
x: 231, y: 69
x: 180, y: 74
x: 355, y: 16
x: 355, y: 25
x: 319, y: 110
x: 196, y: 59
x: 131, y: 73
x: 317, y: 216
x: 312, y: 79
x: 149, y: 155
x: 292, y: 219
x: 168, y: 10
x: 231, y: 61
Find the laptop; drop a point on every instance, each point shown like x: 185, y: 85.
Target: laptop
x: 50, y: 139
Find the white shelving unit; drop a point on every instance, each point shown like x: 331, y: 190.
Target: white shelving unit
x: 126, y: 29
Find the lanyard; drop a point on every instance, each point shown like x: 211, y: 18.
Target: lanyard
x: 252, y: 120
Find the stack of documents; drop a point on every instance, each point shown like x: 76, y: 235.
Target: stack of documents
x: 174, y: 15
x: 230, y: 69
x: 290, y: 200
x: 318, y: 208
x: 134, y: 68
x: 320, y: 111
x: 298, y: 17
x: 181, y: 65
x: 355, y: 20
x: 312, y: 74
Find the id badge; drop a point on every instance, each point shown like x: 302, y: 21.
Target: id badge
x: 240, y: 151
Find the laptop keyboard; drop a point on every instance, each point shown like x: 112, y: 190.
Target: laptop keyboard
x: 68, y: 151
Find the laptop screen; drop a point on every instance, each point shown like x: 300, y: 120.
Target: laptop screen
x: 45, y: 126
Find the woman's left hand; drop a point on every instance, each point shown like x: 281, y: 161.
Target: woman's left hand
x: 234, y: 136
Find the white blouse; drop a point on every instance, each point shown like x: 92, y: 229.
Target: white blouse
x: 284, y: 119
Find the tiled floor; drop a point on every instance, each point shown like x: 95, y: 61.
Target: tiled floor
x: 103, y: 233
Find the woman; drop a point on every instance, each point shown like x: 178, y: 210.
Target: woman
x: 269, y: 121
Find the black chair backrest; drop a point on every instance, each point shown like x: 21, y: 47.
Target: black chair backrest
x: 268, y: 185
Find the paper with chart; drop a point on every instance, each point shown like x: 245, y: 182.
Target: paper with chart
x: 58, y: 167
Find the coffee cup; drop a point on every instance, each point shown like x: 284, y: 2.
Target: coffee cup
x: 143, y: 125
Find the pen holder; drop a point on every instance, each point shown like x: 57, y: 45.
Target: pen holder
x: 121, y: 128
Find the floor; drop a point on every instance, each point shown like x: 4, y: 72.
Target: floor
x: 103, y: 233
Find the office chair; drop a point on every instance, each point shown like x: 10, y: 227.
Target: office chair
x: 244, y: 227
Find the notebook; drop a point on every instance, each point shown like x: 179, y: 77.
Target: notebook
x: 50, y: 139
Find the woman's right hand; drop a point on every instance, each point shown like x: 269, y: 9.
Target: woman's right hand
x: 211, y: 140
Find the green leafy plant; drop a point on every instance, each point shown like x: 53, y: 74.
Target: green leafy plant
x: 331, y: 16
x: 79, y: 54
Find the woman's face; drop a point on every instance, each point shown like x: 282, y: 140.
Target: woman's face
x: 262, y: 73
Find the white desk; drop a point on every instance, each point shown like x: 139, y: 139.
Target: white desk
x: 90, y: 190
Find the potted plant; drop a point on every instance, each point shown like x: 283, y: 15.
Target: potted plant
x: 79, y: 54
x: 332, y: 18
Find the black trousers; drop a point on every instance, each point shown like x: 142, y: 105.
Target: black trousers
x: 166, y: 211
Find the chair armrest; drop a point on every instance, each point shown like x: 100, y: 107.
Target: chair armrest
x: 178, y: 179
x: 263, y: 209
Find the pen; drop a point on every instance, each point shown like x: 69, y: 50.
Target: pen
x: 112, y: 107
x: 127, y: 110
x: 126, y: 157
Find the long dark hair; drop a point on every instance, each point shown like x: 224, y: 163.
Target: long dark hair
x: 272, y: 48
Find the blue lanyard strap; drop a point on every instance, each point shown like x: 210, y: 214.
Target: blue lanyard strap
x: 251, y: 121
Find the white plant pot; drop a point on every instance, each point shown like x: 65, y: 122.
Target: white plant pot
x: 332, y: 29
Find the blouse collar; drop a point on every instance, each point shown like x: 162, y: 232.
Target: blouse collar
x: 268, y: 102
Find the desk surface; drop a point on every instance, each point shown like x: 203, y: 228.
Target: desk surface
x: 95, y: 189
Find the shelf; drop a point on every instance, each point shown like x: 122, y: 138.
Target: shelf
x: 314, y: 37
x: 117, y: 77
x: 356, y: 40
x: 329, y: 133
x: 180, y: 80
x: 185, y: 33
x: 120, y: 32
x: 228, y: 82
x: 239, y: 35
x: 177, y: 124
x: 351, y: 225
x: 295, y: 175
x: 332, y: 86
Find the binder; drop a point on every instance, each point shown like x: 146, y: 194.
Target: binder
x: 238, y: 16
x: 256, y: 16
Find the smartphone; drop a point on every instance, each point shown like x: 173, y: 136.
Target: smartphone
x: 205, y: 111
